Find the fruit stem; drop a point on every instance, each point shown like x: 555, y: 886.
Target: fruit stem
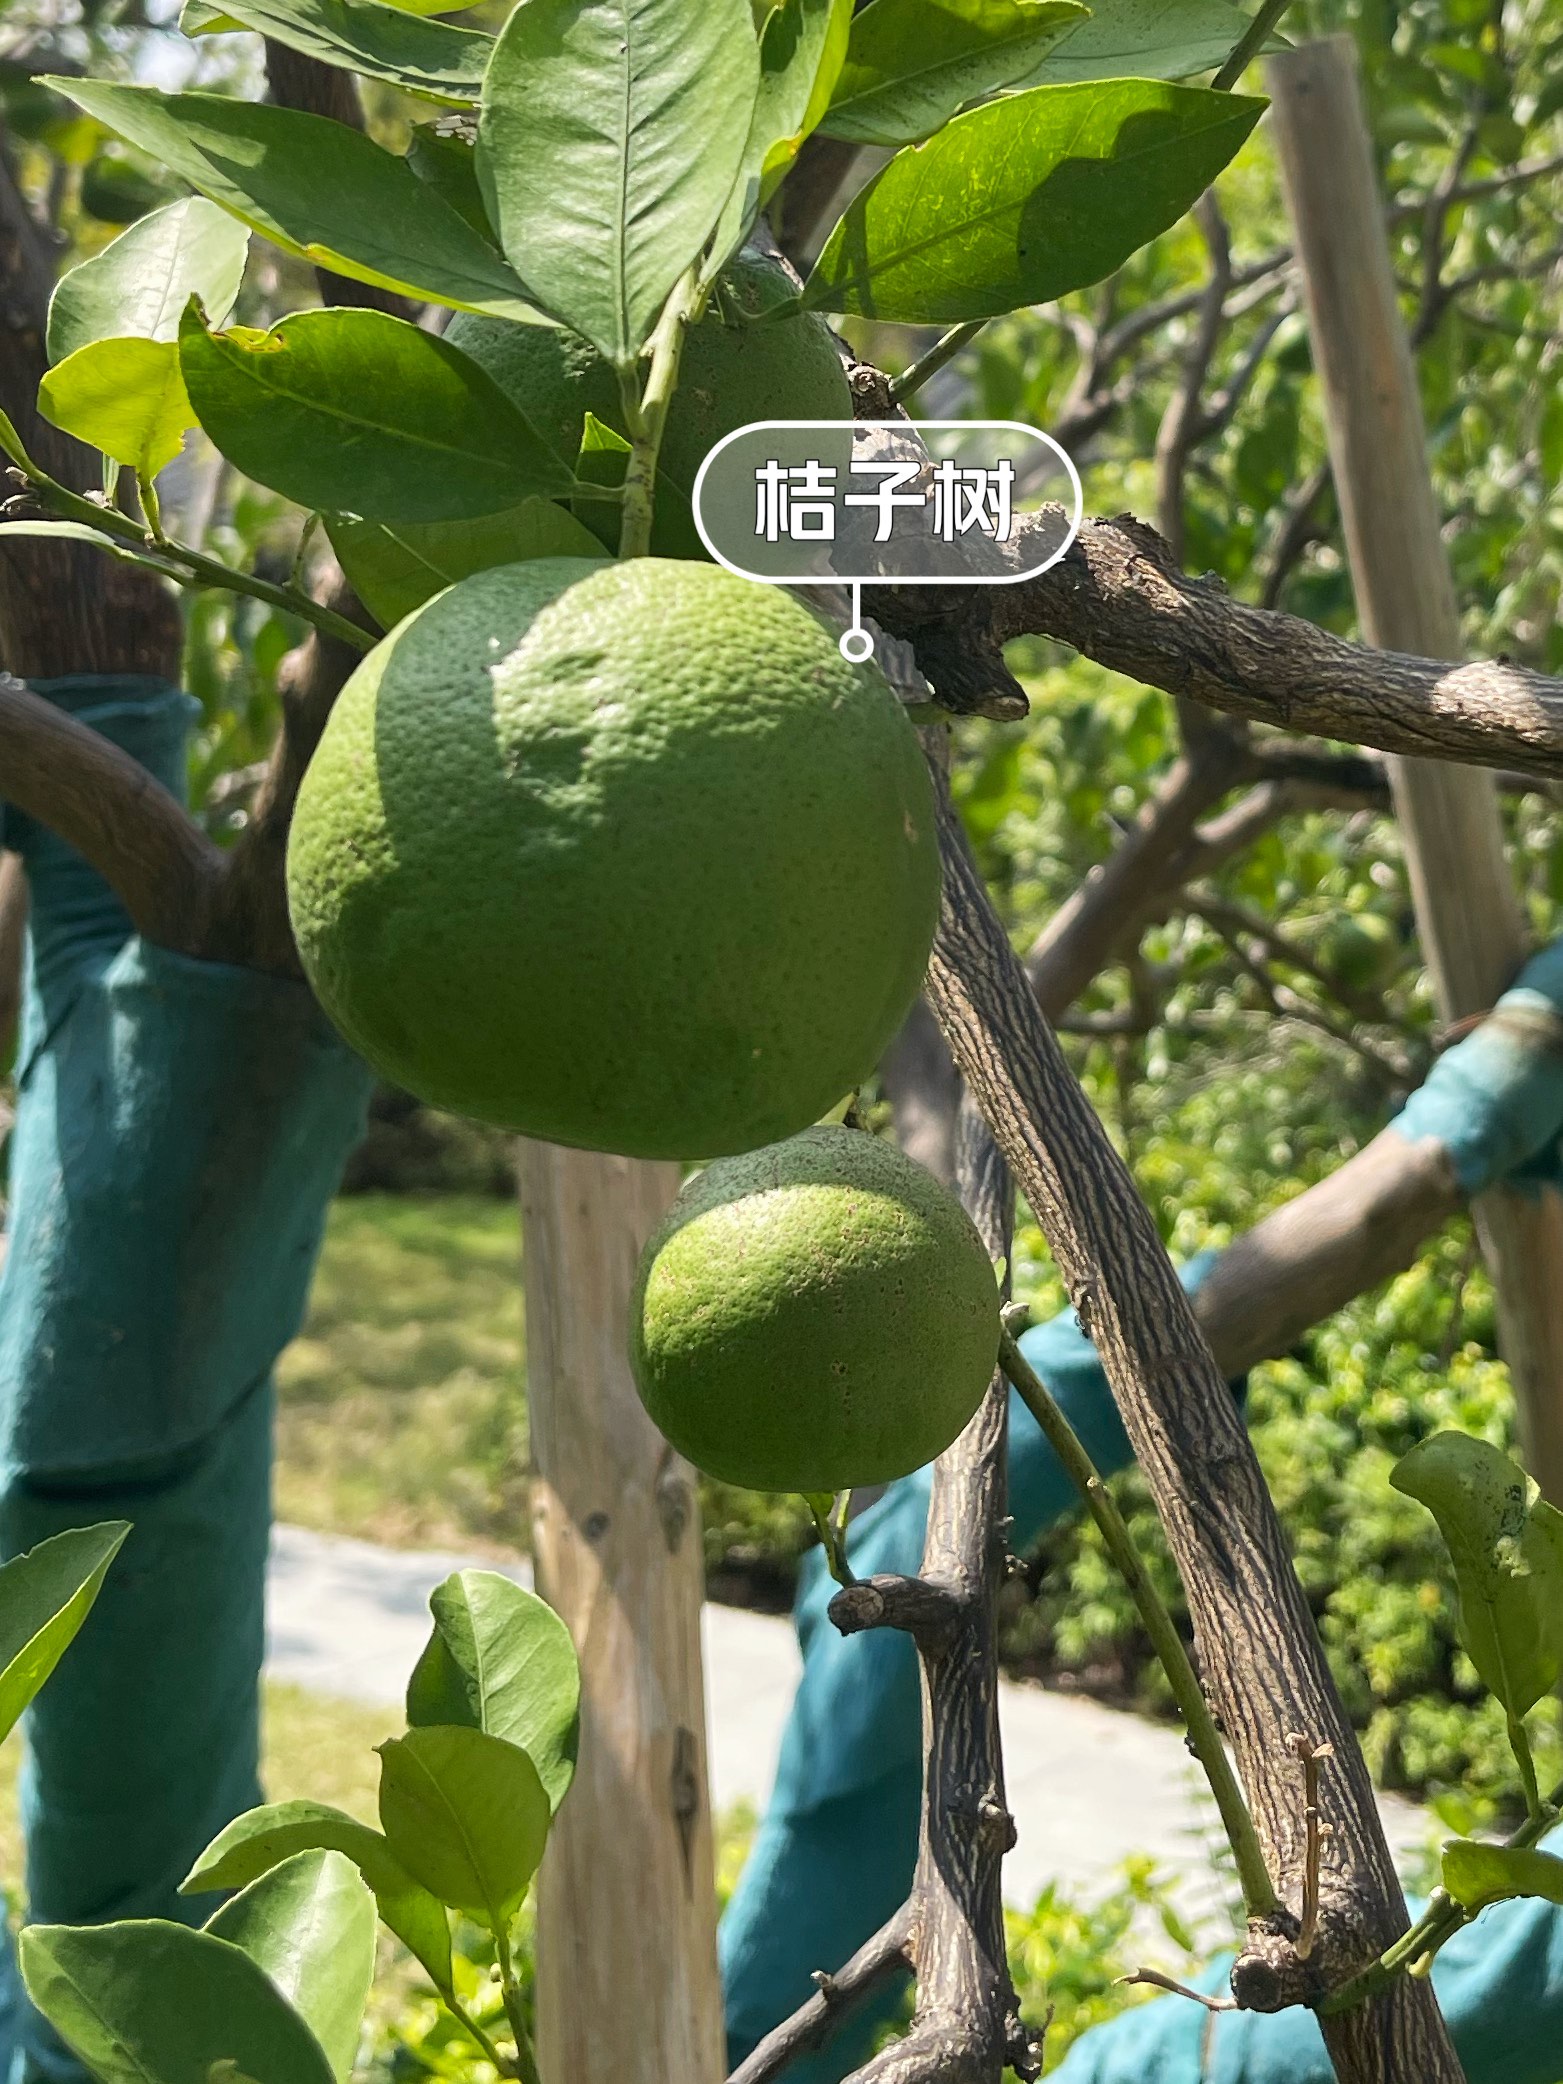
x: 646, y: 414
x: 830, y: 1517
x: 1259, y: 1897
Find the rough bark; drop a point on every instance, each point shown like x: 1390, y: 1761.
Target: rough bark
x: 1261, y: 1660
x: 1119, y: 597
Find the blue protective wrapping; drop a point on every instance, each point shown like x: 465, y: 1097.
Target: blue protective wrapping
x: 180, y: 1129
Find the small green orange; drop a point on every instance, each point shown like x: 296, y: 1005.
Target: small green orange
x: 814, y: 1316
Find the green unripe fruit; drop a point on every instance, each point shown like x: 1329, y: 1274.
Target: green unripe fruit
x: 625, y: 856
x: 814, y: 1316
x: 735, y: 368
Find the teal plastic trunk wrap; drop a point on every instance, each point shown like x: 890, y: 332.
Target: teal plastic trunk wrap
x: 180, y: 1129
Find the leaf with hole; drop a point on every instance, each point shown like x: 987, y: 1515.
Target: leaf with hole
x: 1143, y: 40
x: 125, y: 397
x: 46, y: 1594
x: 360, y: 412
x: 316, y: 188
x: 803, y: 46
x: 152, y: 2003
x: 261, y: 1839
x: 139, y: 285
x: 1025, y: 199
x: 913, y: 64
x: 467, y: 1815
x: 1476, y: 1875
x: 394, y: 570
x: 310, y: 1924
x: 501, y: 1660
x: 609, y: 140
x: 1506, y: 1545
x: 381, y: 42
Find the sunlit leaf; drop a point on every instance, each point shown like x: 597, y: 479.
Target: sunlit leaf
x: 125, y: 397
x: 1476, y: 1875
x: 139, y: 285
x: 310, y: 1924
x: 1143, y: 40
x: 46, y: 1594
x: 609, y: 140
x: 396, y: 569
x: 913, y: 64
x: 360, y: 412
x: 802, y: 48
x: 1026, y: 198
x: 379, y: 41
x: 467, y: 1815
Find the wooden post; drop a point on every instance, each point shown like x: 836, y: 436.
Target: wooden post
x: 627, y: 1984
x: 1467, y: 913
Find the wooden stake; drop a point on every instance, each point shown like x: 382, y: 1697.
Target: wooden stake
x: 627, y: 1989
x: 1467, y: 912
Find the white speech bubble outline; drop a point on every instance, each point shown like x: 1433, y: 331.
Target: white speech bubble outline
x: 873, y: 578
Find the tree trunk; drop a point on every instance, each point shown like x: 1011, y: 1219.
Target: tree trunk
x: 627, y: 1985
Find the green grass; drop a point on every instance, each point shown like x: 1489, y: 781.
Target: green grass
x: 402, y: 1414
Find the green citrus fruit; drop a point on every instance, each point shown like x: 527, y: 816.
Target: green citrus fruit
x: 814, y: 1316
x: 733, y: 370
x: 619, y: 855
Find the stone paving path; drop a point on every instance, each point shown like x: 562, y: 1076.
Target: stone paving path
x: 1088, y: 1785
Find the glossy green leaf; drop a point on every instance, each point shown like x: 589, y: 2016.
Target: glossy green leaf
x: 609, y: 140
x: 261, y: 1839
x: 139, y: 285
x: 381, y: 42
x: 448, y: 165
x: 1144, y: 40
x: 1026, y: 198
x: 803, y: 46
x: 913, y: 64
x: 72, y: 532
x: 46, y: 1594
x: 467, y: 1815
x: 153, y: 2003
x: 359, y: 412
x: 310, y: 1924
x: 1506, y: 1545
x: 316, y: 188
x: 1476, y: 1875
x: 125, y: 397
x: 500, y: 1659
x: 394, y: 570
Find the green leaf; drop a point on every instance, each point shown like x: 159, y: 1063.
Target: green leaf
x: 394, y: 570
x: 1506, y: 1545
x: 140, y: 283
x: 310, y: 1924
x: 1144, y: 40
x: 383, y: 43
x: 153, y: 2003
x: 74, y: 532
x: 500, y: 1659
x: 609, y: 140
x: 448, y: 165
x: 466, y: 1814
x: 802, y: 49
x: 125, y: 397
x: 317, y: 189
x: 261, y: 1839
x: 1476, y: 1875
x: 913, y: 64
x: 360, y: 412
x: 1026, y: 198
x: 46, y: 1594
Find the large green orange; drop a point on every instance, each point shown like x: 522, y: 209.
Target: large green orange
x: 736, y: 367
x: 624, y: 856
x: 814, y: 1316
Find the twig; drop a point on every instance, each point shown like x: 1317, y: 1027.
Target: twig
x: 1155, y: 1980
x: 836, y: 1996
x: 1311, y: 1756
x: 1259, y: 1897
x: 943, y: 350
x: 1250, y: 44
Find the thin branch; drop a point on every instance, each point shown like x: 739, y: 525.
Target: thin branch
x: 1251, y: 43
x: 1259, y: 1898
x: 835, y: 1998
x: 1152, y: 1978
x: 141, y: 840
x: 944, y: 349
